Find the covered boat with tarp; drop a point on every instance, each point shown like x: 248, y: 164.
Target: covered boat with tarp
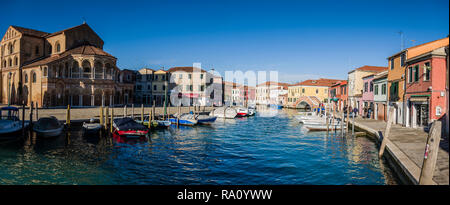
x: 48, y: 127
x: 127, y: 127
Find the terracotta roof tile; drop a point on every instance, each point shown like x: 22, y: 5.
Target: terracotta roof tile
x: 30, y: 32
x: 185, y: 69
x: 372, y: 68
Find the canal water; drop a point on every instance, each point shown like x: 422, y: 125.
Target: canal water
x: 267, y: 149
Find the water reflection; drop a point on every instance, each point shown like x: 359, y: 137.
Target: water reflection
x: 253, y: 150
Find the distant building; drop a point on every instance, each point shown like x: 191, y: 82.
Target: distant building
x: 317, y: 88
x: 356, y: 84
x: 338, y: 94
x: 143, y: 88
x: 271, y: 93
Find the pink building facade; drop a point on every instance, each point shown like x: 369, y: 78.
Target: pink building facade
x: 425, y: 88
x: 367, y: 97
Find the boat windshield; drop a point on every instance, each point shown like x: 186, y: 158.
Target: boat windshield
x: 9, y: 115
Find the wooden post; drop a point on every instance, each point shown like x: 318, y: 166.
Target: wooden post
x: 386, y: 133
x: 68, y: 115
x: 125, y: 111
x: 353, y: 123
x: 332, y: 118
x: 342, y: 123
x: 132, y: 111
x: 153, y: 110
x: 101, y: 115
x: 31, y: 116
x: 164, y: 114
x: 348, y: 118
x: 142, y: 113
x: 112, y: 120
x: 150, y: 118
x: 328, y: 124
x: 37, y: 112
x: 23, y: 118
x: 106, y: 117
x: 431, y: 154
x: 178, y: 116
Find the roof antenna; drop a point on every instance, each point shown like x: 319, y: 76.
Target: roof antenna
x: 401, y: 39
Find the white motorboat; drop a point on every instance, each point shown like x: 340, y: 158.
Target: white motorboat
x: 224, y: 112
x: 10, y: 124
x: 91, y: 128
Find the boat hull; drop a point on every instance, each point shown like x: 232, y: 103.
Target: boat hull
x: 207, y: 121
x: 183, y: 122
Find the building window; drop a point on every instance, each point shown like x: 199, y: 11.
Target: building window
x: 156, y: 77
x: 33, y: 77
x: 190, y: 76
x: 154, y: 87
x: 36, y: 50
x: 365, y: 86
x: 427, y: 71
x: 383, y: 89
x: 26, y: 78
x: 202, y: 88
x: 416, y: 73
x: 58, y: 47
x: 410, y: 74
x: 10, y: 62
x: 402, y: 59
x: 16, y: 61
x: 45, y: 72
x: 371, y: 86
x: 164, y: 87
x: 201, y: 76
x: 392, y: 64
x: 180, y: 76
x: 191, y: 88
x: 376, y: 89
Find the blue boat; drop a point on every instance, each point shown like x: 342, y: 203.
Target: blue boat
x: 184, y: 119
x: 206, y: 119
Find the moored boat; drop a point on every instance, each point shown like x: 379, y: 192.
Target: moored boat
x: 206, y: 119
x: 251, y: 111
x: 10, y: 125
x: 91, y: 128
x: 241, y: 112
x: 224, y: 112
x: 128, y: 128
x: 184, y: 119
x: 48, y: 127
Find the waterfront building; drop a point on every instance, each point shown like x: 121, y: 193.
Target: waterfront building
x: 356, y: 84
x: 191, y: 82
x: 367, y: 99
x: 270, y: 93
x: 57, y: 69
x: 380, y: 95
x: 160, y: 87
x: 425, y: 88
x: 397, y: 72
x: 317, y: 88
x: 143, y: 88
x: 338, y: 94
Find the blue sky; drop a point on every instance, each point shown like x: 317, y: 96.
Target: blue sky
x: 300, y: 39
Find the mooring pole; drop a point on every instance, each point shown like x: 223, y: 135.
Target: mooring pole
x: 142, y: 113
x: 68, y: 116
x: 132, y: 111
x: 101, y: 115
x: 348, y: 118
x: 386, y: 133
x: 153, y: 110
x: 106, y: 117
x: 431, y: 154
x: 37, y: 112
x: 125, y: 111
x: 31, y: 115
x: 23, y: 118
x: 112, y: 121
x: 164, y: 113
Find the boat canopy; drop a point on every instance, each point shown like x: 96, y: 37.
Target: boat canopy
x: 10, y: 108
x: 128, y: 124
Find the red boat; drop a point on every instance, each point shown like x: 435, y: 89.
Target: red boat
x: 127, y: 128
x: 242, y: 112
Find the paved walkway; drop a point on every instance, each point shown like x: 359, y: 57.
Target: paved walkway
x: 408, y: 144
